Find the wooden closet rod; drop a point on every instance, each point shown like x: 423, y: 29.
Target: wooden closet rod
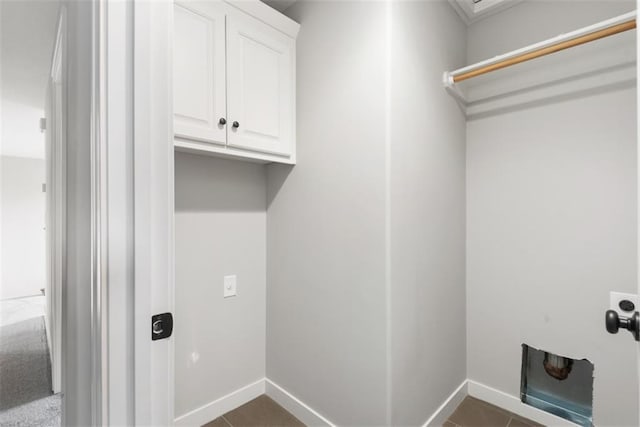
x: 606, y: 32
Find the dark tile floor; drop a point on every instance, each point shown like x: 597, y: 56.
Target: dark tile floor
x: 260, y: 412
x: 264, y: 412
x: 476, y: 413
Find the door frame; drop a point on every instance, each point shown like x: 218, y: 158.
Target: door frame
x: 56, y: 197
x: 638, y: 184
x: 154, y: 207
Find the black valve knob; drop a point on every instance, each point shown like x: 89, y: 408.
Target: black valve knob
x: 614, y: 322
x: 222, y: 121
x: 236, y: 125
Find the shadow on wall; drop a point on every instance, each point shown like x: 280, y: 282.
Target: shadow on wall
x: 210, y: 184
x: 277, y: 175
x: 606, y: 88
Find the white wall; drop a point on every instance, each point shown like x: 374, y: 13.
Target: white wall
x: 23, y: 221
x: 427, y: 211
x: 551, y: 220
x: 27, y: 36
x: 366, y: 233
x: 220, y: 229
x: 326, y: 309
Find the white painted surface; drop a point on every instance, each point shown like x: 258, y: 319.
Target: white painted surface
x: 551, y: 220
x: 302, y: 411
x: 484, y: 38
x: 261, y: 84
x: 23, y: 227
x: 402, y: 158
x: 615, y: 298
x: 471, y: 11
x: 598, y: 66
x: 239, y: 67
x: 27, y: 31
x: 427, y: 211
x: 264, y: 13
x: 638, y: 195
x: 279, y: 5
x: 221, y: 405
x: 118, y: 213
x: 199, y: 71
x: 153, y: 165
x: 220, y: 230
x: 448, y: 407
x: 230, y: 284
x: 214, y: 150
x: 55, y: 201
x: 326, y: 309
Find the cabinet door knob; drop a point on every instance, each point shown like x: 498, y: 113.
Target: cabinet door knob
x: 236, y: 125
x: 222, y: 121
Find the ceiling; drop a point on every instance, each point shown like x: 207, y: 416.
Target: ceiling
x: 27, y: 37
x: 474, y: 10
x: 469, y: 10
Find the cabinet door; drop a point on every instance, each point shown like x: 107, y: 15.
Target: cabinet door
x: 199, y: 93
x: 261, y: 87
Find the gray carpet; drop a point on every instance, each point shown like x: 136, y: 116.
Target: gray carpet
x: 25, y: 376
x: 43, y: 412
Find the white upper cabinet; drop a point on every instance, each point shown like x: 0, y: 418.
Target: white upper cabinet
x: 199, y: 88
x: 234, y: 80
x: 261, y: 85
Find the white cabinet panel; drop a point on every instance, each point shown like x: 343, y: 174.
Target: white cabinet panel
x: 199, y: 71
x: 261, y: 87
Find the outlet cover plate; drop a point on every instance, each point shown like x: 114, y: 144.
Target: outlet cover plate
x: 230, y: 283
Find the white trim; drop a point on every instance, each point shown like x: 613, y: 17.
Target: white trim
x: 262, y: 12
x: 447, y: 408
x: 471, y: 12
x: 513, y: 404
x: 388, y: 283
x: 638, y: 192
x: 227, y: 152
x: 118, y: 310
x: 297, y: 407
x: 56, y: 198
x: 99, y: 230
x: 221, y: 406
x: 153, y: 208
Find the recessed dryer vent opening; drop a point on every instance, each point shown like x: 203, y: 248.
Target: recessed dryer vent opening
x: 556, y: 384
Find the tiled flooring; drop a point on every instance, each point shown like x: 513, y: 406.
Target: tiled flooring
x: 476, y: 413
x: 260, y: 412
x: 264, y: 412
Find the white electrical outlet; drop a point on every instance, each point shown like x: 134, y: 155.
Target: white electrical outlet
x: 230, y: 283
x: 616, y: 297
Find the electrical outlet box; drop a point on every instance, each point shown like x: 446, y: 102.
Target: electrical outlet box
x: 617, y: 297
x: 230, y: 283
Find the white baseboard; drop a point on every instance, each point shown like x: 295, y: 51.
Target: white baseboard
x: 299, y: 409
x: 218, y: 407
x: 513, y: 404
x: 448, y: 406
x: 310, y: 417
